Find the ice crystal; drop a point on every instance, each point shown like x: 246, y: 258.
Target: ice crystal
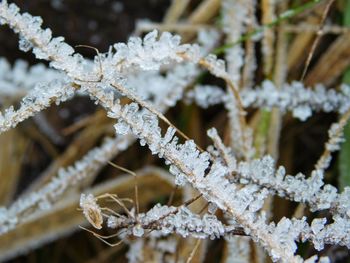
x: 25, y: 45
x: 138, y: 231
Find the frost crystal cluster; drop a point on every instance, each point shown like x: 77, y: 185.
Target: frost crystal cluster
x: 135, y: 83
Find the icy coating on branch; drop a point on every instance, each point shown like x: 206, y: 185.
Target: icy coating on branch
x: 169, y: 220
x: 294, y: 97
x: 66, y: 178
x: 299, y: 99
x: 39, y: 98
x: 16, y: 81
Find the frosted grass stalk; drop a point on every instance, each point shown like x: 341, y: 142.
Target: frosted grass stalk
x: 293, y: 97
x: 43, y: 199
x: 38, y: 99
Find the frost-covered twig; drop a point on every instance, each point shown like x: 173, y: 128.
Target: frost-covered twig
x: 91, y: 163
x: 39, y: 98
x: 298, y: 99
x: 313, y: 191
x: 234, y: 26
x: 16, y: 81
x: 335, y: 139
x: 168, y: 220
x: 32, y: 36
x: 294, y: 97
x: 161, y: 218
x: 338, y: 232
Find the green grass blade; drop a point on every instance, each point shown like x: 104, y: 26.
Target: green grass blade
x: 344, y: 157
